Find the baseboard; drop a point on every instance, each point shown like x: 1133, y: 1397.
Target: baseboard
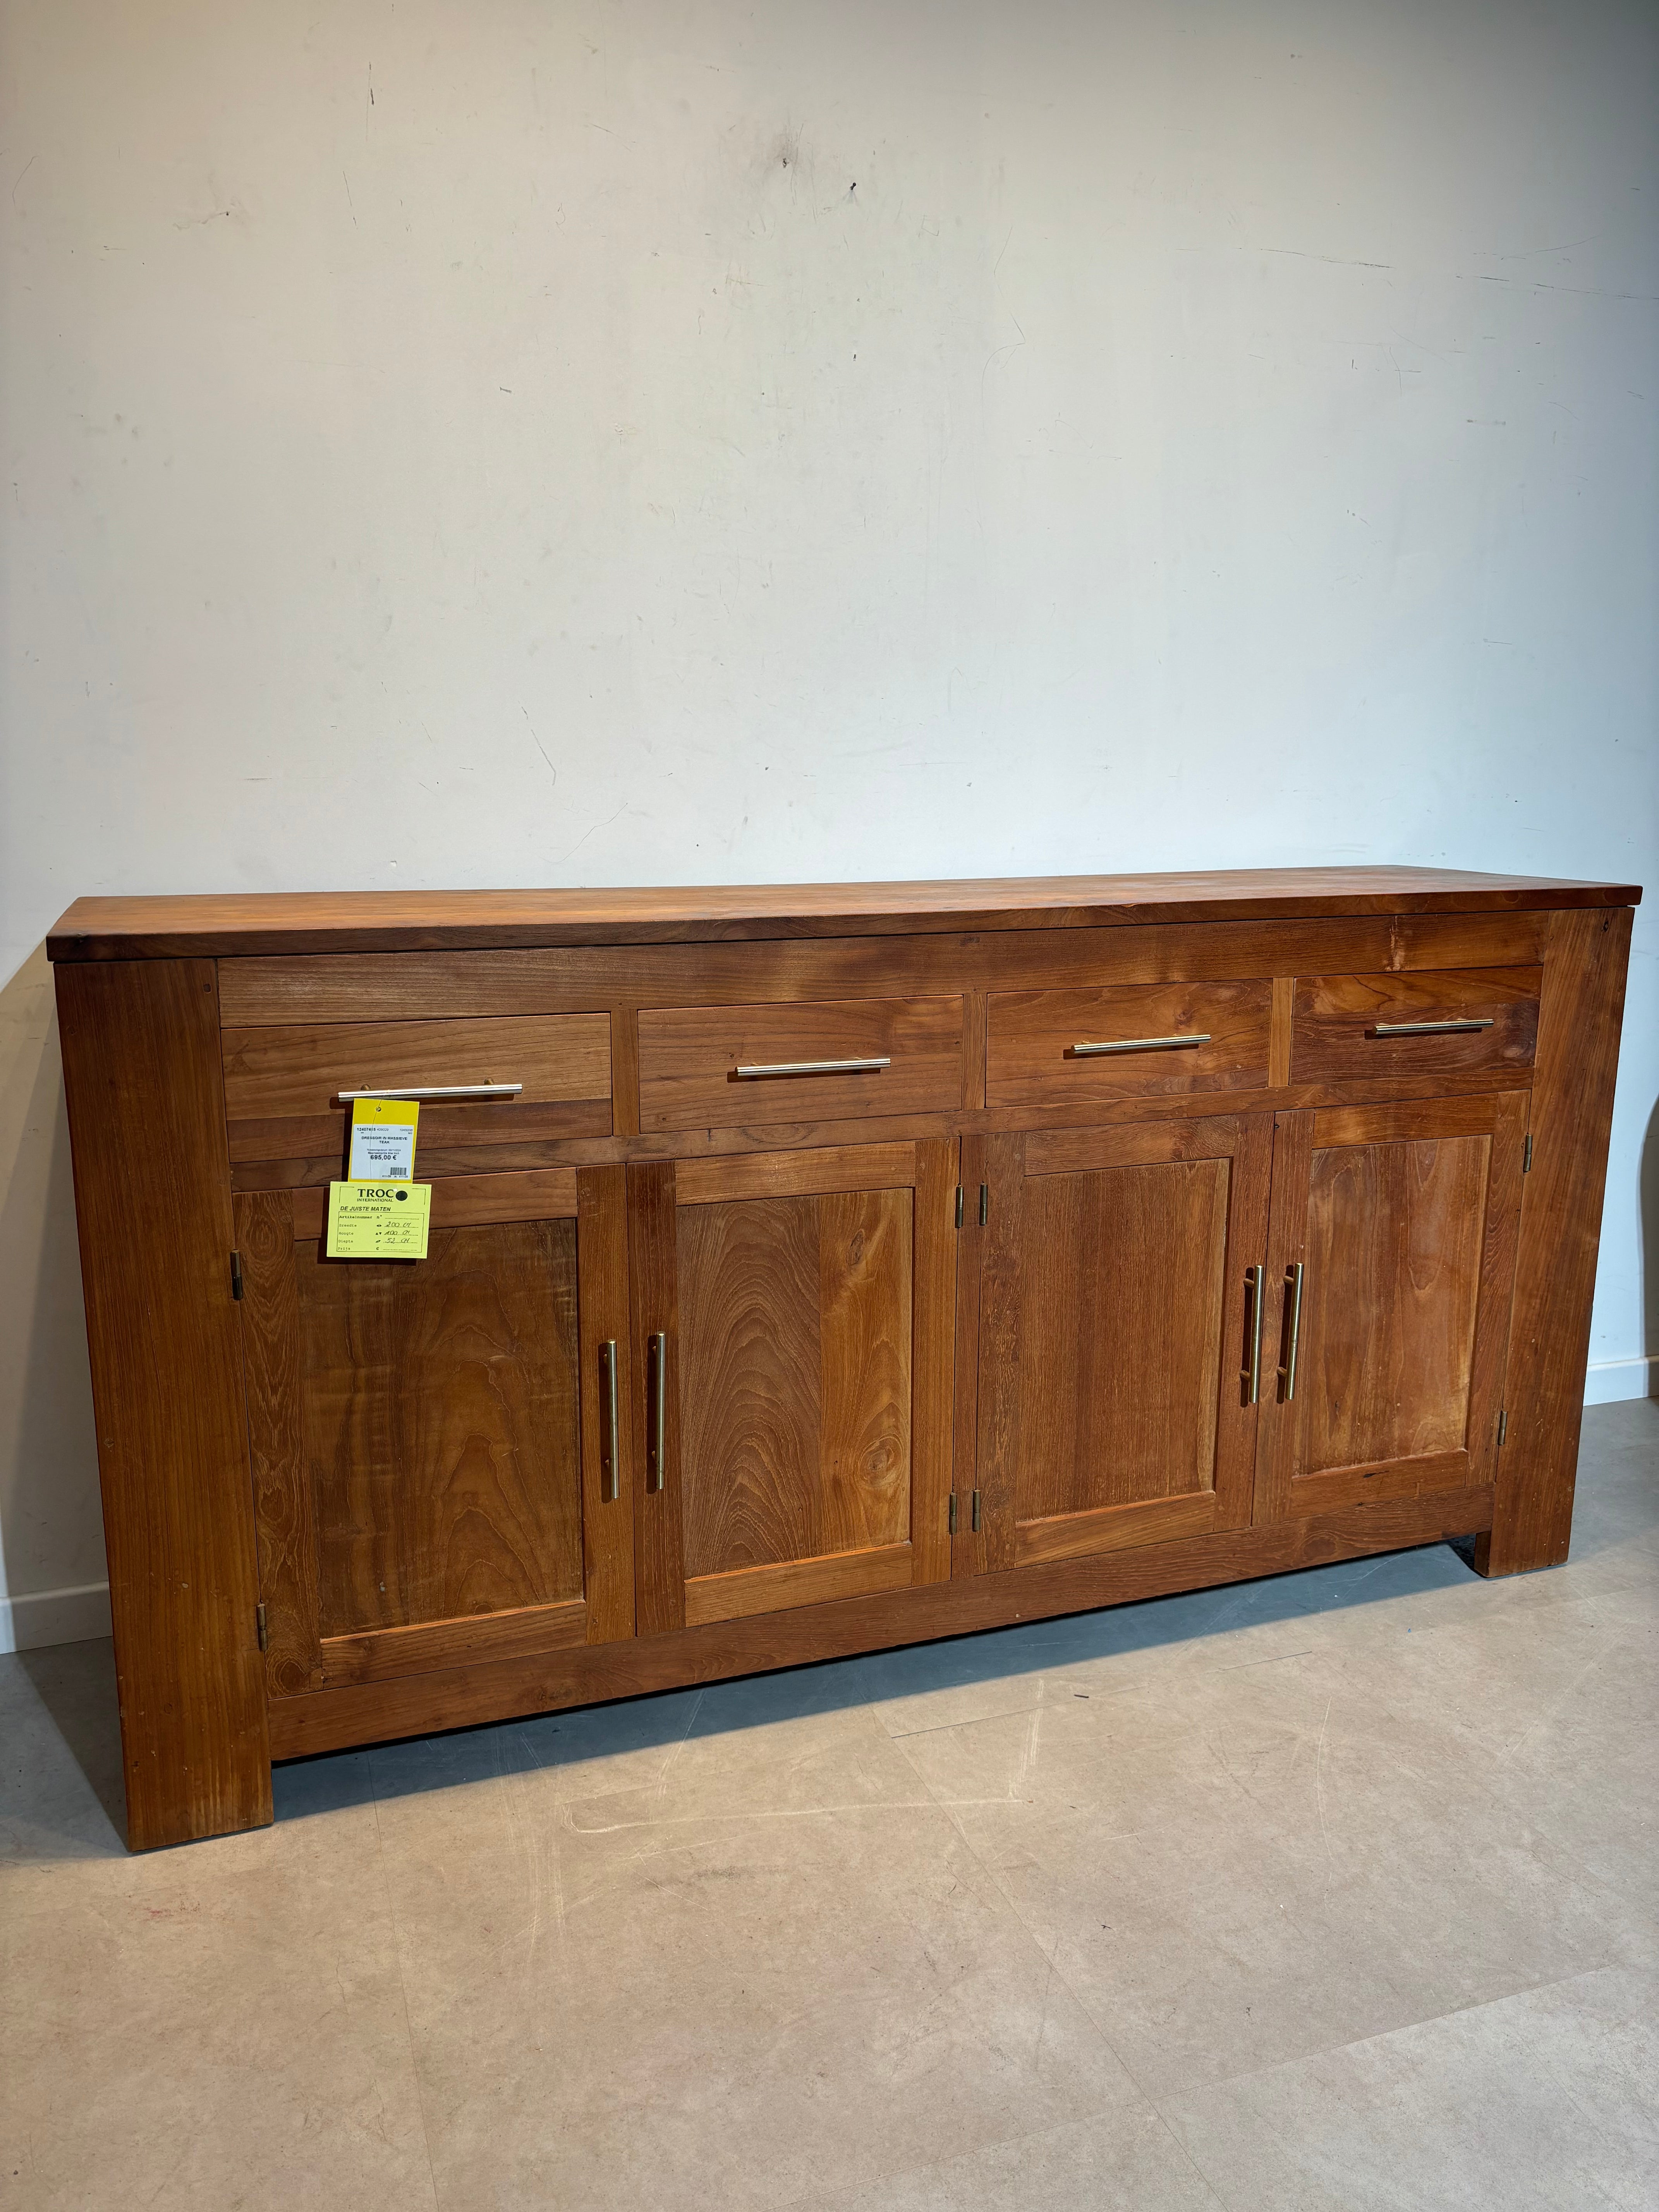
x: 59, y: 1616
x: 1610, y: 1381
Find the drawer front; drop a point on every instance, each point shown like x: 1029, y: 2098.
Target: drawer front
x: 1450, y: 1021
x: 1038, y: 1044
x: 731, y: 1066
x: 282, y: 1086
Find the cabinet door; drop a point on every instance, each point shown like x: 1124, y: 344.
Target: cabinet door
x: 1118, y: 1336
x: 794, y: 1317
x: 430, y: 1440
x: 1398, y: 1225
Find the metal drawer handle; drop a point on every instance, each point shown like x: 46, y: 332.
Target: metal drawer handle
x: 608, y: 1447
x: 434, y: 1090
x: 1254, y: 1278
x: 1140, y: 1044
x: 656, y: 1374
x: 1287, y: 1372
x: 811, y: 1068
x: 1428, y: 1029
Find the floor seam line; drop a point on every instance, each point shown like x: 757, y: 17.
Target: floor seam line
x: 403, y: 1991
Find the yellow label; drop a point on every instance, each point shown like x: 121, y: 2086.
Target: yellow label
x: 378, y: 1220
x: 383, y: 1140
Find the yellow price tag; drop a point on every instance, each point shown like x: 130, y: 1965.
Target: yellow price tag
x: 378, y: 1220
x: 383, y: 1140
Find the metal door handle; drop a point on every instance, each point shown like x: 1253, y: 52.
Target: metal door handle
x: 1287, y: 1372
x: 656, y: 1377
x: 1428, y: 1029
x: 608, y: 1450
x: 811, y: 1068
x: 1254, y: 1279
x: 413, y: 1090
x: 1140, y: 1044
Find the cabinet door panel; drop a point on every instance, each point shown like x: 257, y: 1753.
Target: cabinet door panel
x: 808, y: 1435
x: 1114, y: 1406
x: 1403, y: 1222
x: 425, y: 1469
x: 441, y: 1427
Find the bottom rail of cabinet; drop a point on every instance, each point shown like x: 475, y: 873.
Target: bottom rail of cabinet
x: 506, y: 1689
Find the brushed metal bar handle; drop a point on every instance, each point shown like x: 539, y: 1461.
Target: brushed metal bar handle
x: 1287, y: 1372
x: 812, y: 1067
x: 1428, y: 1029
x: 608, y: 1448
x: 656, y: 1419
x: 1254, y: 1279
x: 1140, y: 1044
x: 434, y: 1090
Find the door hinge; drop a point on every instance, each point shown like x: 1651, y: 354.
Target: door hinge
x: 236, y: 1274
x: 1503, y: 1425
x: 1525, y: 1155
x: 958, y: 1206
x: 950, y: 1517
x: 259, y: 1618
x: 984, y: 1204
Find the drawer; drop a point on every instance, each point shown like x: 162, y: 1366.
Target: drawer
x: 1042, y: 1046
x: 1447, y: 1021
x: 282, y: 1086
x: 736, y: 1066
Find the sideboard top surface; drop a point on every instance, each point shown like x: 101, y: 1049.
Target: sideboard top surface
x: 242, y: 923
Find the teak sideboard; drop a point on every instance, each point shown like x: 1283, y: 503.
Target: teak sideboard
x: 812, y: 1271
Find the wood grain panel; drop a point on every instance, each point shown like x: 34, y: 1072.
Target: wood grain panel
x: 464, y: 1697
x: 1407, y: 1120
x: 1406, y: 1228
x: 607, y: 1522
x: 796, y: 1582
x: 378, y: 1655
x: 795, y: 1356
x: 1395, y: 1234
x: 461, y: 1131
x: 370, y: 986
x: 865, y: 1278
x: 152, y: 1195
x: 1336, y: 1018
x: 1030, y: 1056
x: 231, y: 924
x: 274, y: 1072
x: 796, y: 1174
x: 1120, y: 1336
x: 1284, y: 1023
x: 1069, y: 1536
x: 688, y: 1056
x: 751, y: 1378
x: 468, y: 1201
x: 1144, y: 1144
x: 282, y: 1483
x: 441, y: 1427
x: 1583, y: 1002
x: 1327, y: 1489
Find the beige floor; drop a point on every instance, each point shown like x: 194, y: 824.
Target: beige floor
x: 1337, y: 1891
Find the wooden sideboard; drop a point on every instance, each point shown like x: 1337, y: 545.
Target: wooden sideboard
x: 959, y: 1253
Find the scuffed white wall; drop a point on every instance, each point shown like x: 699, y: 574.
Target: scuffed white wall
x: 474, y: 442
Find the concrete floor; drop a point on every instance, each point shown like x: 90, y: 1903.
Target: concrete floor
x: 1334, y: 1891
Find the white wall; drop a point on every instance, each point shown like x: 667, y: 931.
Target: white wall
x: 541, y: 441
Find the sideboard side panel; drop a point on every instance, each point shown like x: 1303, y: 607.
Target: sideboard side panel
x: 152, y: 1188
x: 1583, y: 1002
